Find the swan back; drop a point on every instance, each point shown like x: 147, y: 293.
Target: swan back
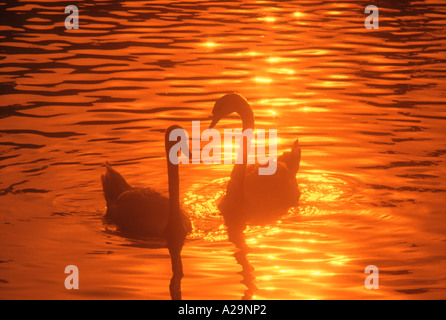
x: 292, y: 158
x: 113, y: 185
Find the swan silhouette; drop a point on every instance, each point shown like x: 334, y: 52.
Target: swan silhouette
x: 145, y: 213
x: 251, y: 197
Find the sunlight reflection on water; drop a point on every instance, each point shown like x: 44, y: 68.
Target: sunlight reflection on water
x: 367, y: 106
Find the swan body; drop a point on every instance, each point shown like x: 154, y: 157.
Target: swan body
x: 276, y: 191
x: 251, y: 196
x: 139, y: 212
x: 144, y: 212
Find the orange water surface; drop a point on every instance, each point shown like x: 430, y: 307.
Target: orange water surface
x: 368, y: 107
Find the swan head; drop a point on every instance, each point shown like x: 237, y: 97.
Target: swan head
x: 230, y: 103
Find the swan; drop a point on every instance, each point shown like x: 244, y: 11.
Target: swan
x: 250, y: 196
x: 144, y: 212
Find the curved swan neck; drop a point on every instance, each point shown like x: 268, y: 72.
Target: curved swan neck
x: 174, y: 188
x: 233, y: 102
x: 229, y: 103
x: 173, y: 177
x: 243, y: 109
x: 247, y: 117
x: 174, y: 233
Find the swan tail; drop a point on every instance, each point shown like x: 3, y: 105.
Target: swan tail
x: 113, y: 185
x: 292, y: 158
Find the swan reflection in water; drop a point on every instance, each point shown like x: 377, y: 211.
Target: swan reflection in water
x: 252, y: 198
x: 144, y: 213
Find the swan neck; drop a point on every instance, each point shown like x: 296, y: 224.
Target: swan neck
x: 247, y: 117
x: 174, y: 188
x: 238, y: 171
x: 173, y: 177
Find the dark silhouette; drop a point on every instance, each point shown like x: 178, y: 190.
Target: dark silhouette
x: 250, y: 197
x: 145, y: 213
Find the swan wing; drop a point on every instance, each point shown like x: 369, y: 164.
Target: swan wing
x: 113, y: 185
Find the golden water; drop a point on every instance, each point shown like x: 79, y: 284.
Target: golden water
x: 367, y: 105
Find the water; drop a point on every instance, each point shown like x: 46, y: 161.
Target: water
x: 367, y: 105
